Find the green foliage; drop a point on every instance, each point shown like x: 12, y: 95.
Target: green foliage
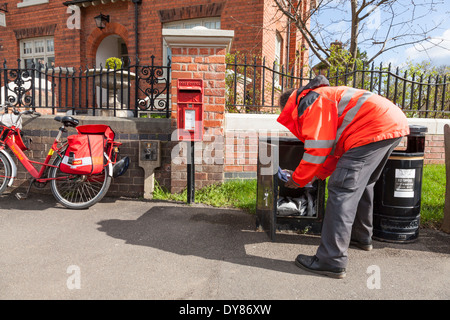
x: 433, y: 195
x: 113, y: 63
x: 420, y: 89
x: 344, y: 69
x: 160, y: 193
x: 152, y: 115
x: 239, y: 194
x: 341, y: 60
x: 426, y: 69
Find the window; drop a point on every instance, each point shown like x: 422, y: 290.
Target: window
x: 210, y: 23
x: 39, y: 51
x: 27, y: 3
x: 123, y: 53
x: 277, y: 58
x: 2, y: 19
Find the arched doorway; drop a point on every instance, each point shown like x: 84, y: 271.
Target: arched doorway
x: 112, y: 46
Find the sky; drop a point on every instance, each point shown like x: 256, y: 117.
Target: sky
x: 437, y: 46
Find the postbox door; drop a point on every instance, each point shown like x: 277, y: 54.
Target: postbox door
x: 267, y: 187
x: 190, y: 109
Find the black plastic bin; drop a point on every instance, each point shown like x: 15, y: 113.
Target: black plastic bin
x: 274, y: 152
x: 397, y: 198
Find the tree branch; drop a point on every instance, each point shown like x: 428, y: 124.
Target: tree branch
x: 313, y: 44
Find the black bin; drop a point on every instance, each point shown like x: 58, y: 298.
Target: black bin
x: 274, y: 152
x: 396, y: 213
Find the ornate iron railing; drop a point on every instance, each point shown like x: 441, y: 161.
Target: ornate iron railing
x: 255, y: 87
x: 131, y: 91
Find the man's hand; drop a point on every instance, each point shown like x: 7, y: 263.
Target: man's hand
x: 291, y: 183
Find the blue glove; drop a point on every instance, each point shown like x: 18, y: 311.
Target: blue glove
x: 283, y: 175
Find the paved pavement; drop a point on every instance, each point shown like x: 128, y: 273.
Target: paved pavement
x: 131, y: 249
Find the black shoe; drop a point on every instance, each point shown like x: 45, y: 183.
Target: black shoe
x: 363, y: 245
x: 312, y: 264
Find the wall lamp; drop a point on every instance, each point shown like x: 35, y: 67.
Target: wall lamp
x: 4, y: 7
x: 101, y: 20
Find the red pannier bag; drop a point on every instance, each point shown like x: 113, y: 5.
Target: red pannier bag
x: 84, y: 154
x: 100, y: 129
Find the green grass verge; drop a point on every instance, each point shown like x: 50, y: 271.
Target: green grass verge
x: 433, y: 195
x: 241, y: 194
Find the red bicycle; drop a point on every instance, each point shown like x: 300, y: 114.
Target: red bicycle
x: 72, y: 190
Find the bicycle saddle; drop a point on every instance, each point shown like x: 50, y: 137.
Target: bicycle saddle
x: 68, y: 121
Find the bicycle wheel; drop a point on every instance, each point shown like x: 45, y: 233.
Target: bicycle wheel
x: 78, y: 191
x: 5, y: 172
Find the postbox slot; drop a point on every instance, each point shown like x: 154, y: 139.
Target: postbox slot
x: 186, y: 96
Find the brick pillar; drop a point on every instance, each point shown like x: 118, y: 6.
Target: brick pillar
x: 200, y: 54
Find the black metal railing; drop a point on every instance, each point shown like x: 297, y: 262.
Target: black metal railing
x: 254, y: 87
x: 127, y: 90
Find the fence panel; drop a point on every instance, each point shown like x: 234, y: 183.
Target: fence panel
x: 255, y: 87
x: 127, y: 91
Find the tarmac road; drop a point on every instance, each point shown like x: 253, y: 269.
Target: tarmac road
x: 131, y: 249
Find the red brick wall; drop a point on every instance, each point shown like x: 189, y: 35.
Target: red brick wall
x: 246, y: 19
x: 78, y: 47
x: 434, y: 149
x: 241, y: 151
x: 207, y: 64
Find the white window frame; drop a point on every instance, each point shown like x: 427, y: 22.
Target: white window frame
x: 277, y: 59
x: 2, y: 19
x: 27, y: 3
x: 36, y: 55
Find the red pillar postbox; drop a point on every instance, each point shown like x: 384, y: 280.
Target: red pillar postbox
x: 190, y: 109
x: 190, y: 123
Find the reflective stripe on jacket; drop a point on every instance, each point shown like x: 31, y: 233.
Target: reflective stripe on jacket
x: 331, y: 120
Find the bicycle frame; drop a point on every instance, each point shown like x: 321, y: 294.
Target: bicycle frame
x: 71, y: 188
x: 26, y: 162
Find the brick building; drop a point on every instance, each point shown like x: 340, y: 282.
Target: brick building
x: 64, y: 32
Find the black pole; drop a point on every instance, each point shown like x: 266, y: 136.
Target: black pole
x: 136, y: 52
x: 136, y: 35
x: 190, y: 173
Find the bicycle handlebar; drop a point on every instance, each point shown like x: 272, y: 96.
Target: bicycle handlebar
x: 31, y: 112
x: 19, y: 113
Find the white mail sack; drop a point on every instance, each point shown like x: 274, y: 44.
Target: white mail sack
x: 9, y: 119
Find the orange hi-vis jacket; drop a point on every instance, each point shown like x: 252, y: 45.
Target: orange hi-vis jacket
x: 331, y: 120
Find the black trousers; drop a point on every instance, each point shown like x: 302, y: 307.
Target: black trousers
x: 349, y: 209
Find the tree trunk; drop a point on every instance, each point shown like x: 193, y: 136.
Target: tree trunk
x: 446, y: 223
x: 354, y: 30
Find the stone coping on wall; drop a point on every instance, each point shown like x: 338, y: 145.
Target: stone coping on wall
x: 198, y: 37
x: 258, y: 122
x: 119, y: 125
